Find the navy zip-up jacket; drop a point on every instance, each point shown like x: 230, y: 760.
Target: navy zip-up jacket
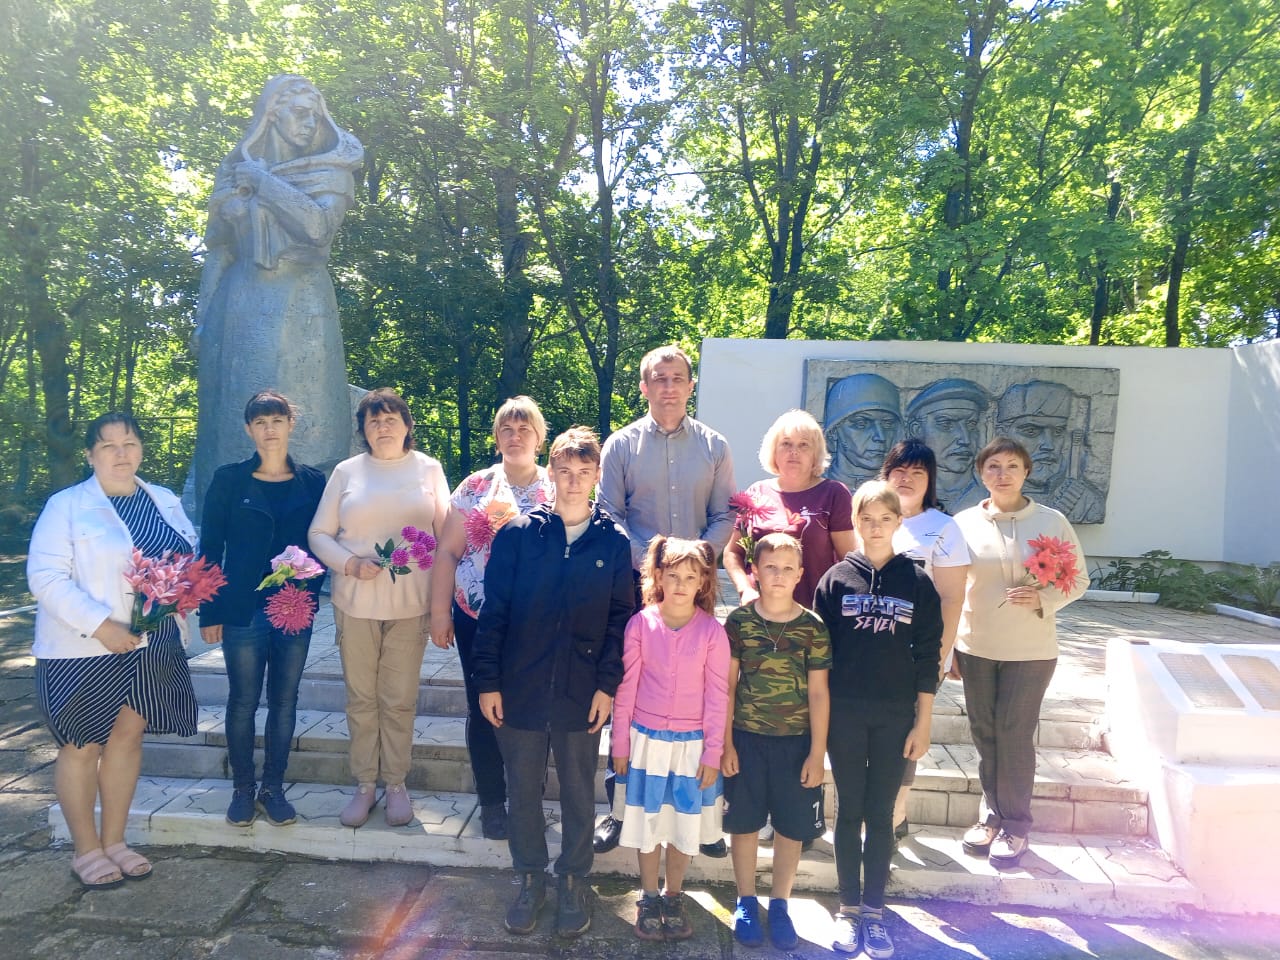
x: 550, y: 630
x: 886, y: 631
x: 239, y: 533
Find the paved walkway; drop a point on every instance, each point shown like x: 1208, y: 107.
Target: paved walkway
x: 227, y: 904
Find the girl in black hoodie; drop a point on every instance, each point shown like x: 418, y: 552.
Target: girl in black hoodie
x: 886, y: 635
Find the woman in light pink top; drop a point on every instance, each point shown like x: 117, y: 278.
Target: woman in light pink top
x: 382, y: 617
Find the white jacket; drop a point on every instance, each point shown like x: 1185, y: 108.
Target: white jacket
x: 80, y: 549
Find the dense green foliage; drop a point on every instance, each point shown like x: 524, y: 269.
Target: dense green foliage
x: 552, y: 188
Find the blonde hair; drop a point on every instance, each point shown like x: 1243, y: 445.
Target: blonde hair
x: 795, y: 423
x: 525, y: 410
x: 772, y: 542
x: 663, y: 355
x: 667, y: 552
x: 876, y: 491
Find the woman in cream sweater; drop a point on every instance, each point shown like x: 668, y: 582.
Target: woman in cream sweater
x: 1007, y: 644
x: 382, y: 625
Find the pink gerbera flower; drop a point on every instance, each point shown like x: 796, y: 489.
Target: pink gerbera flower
x: 292, y: 609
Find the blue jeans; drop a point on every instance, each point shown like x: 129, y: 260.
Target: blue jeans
x: 250, y: 653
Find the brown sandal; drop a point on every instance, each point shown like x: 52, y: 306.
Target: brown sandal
x: 96, y: 871
x: 132, y: 864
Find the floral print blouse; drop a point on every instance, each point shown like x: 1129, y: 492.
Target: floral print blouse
x: 485, y: 501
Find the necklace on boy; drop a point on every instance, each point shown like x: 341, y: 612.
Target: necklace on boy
x: 778, y: 639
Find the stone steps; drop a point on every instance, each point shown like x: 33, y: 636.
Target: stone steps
x: 1096, y: 875
x: 1075, y: 790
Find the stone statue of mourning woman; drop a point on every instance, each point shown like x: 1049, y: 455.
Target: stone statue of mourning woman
x: 267, y: 315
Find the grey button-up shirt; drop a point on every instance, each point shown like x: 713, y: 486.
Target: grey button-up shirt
x: 676, y: 483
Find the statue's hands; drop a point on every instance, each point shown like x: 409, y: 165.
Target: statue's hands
x: 249, y: 175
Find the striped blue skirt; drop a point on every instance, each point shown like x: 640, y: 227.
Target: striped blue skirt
x: 80, y: 697
x: 659, y: 800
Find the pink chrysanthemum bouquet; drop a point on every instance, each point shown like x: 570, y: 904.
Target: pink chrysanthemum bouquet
x: 292, y: 608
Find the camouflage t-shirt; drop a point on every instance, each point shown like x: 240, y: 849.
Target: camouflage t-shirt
x: 774, y: 660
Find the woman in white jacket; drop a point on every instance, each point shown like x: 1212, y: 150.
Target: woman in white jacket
x: 1007, y: 643
x: 99, y: 685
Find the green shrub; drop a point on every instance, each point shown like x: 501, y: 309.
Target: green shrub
x: 1181, y: 584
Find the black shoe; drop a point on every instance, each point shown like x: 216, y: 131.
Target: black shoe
x: 573, y: 906
x: 607, y: 835
x: 901, y: 830
x: 522, y: 915
x: 717, y: 850
x: 493, y: 821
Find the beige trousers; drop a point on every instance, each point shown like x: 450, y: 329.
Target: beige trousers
x: 381, y: 662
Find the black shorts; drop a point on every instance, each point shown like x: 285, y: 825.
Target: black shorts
x: 768, y: 787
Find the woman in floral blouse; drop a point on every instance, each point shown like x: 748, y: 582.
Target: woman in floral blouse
x: 482, y: 503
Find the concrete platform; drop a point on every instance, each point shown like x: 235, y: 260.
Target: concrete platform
x: 1103, y: 876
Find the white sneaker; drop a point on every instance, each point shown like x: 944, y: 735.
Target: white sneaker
x: 846, y: 934
x: 977, y: 840
x: 1007, y: 850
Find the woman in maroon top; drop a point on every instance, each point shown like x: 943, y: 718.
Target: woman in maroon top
x: 797, y: 501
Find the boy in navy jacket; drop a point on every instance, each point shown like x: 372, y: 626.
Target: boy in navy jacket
x: 547, y: 662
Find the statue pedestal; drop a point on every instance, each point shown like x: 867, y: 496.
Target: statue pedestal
x: 1199, y: 726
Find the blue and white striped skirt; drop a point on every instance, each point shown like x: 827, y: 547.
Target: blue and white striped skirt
x: 80, y: 697
x: 659, y: 800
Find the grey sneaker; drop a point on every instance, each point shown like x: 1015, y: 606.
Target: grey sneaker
x: 522, y: 915
x: 1007, y: 850
x: 876, y: 942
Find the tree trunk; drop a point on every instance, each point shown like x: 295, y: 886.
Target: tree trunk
x: 1185, y: 217
x: 47, y: 330
x: 1102, y: 278
x: 517, y: 291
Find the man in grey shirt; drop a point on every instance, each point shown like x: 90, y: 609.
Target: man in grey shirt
x: 669, y: 474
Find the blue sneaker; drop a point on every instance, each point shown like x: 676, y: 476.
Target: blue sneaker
x: 746, y: 922
x: 241, y: 811
x: 278, y: 811
x: 782, y: 932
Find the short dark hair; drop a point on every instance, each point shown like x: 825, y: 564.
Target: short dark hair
x: 384, y: 400
x: 913, y: 452
x: 1002, y: 445
x: 269, y: 403
x: 94, y: 432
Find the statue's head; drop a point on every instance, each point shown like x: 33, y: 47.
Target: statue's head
x: 862, y: 418
x: 290, y: 118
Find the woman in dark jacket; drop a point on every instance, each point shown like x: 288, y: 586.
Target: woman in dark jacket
x: 253, y: 511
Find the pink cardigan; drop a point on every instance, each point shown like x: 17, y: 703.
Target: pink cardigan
x: 673, y: 680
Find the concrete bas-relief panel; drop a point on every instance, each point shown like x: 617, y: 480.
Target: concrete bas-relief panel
x: 1064, y: 416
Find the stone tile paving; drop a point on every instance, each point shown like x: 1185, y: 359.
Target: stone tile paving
x: 245, y: 905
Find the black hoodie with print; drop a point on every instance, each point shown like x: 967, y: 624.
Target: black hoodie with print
x: 886, y: 631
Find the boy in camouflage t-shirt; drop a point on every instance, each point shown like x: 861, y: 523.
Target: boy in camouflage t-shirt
x: 776, y: 736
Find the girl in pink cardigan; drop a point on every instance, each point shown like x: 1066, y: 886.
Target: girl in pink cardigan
x: 668, y: 727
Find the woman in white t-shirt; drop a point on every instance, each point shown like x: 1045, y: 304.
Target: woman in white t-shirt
x: 930, y: 538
